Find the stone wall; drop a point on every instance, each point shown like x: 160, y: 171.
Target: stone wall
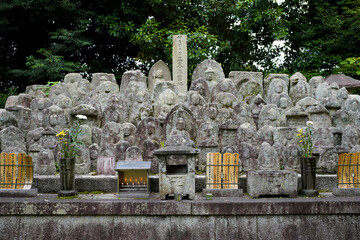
x: 236, y: 218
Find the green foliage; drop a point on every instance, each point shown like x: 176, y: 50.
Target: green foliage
x: 46, y: 88
x: 153, y: 39
x: 5, y: 94
x: 69, y: 140
x: 43, y: 40
x: 323, y: 33
x: 350, y: 67
x: 305, y: 140
x: 48, y: 67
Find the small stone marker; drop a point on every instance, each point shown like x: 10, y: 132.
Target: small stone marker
x: 180, y: 63
x: 105, y: 165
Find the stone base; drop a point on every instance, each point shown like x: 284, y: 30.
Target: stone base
x: 224, y: 192
x: 67, y: 193
x: 272, y: 183
x: 309, y: 192
x: 133, y: 195
x: 83, y: 183
x: 349, y: 192
x: 51, y: 183
x: 18, y: 192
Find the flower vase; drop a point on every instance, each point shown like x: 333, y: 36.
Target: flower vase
x: 308, y: 176
x: 67, y: 177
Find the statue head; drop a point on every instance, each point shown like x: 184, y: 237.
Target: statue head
x: 159, y: 74
x: 209, y: 74
x: 180, y: 124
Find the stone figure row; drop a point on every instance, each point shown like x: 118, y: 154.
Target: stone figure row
x: 256, y: 117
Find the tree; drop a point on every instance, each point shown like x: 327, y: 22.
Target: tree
x: 321, y: 34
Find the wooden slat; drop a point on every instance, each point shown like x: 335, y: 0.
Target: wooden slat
x: 2, y: 170
x: 8, y: 169
x: 29, y: 172
x: 21, y: 171
x: 209, y: 171
x: 234, y: 170
x: 13, y: 160
x: 357, y: 170
x: 217, y: 170
x: 340, y: 169
x: 225, y: 167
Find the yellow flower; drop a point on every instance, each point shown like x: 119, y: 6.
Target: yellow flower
x: 65, y: 142
x: 61, y: 134
x: 301, y: 141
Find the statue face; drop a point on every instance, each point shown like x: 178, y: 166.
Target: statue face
x: 317, y: 82
x: 54, y: 119
x: 127, y: 130
x: 94, y: 154
x: 195, y: 99
x: 180, y: 124
x: 278, y: 88
x: 151, y: 128
x: 209, y: 76
x: 212, y: 112
x: 103, y: 79
x: 200, y: 89
x: 225, y: 87
x: 272, y: 115
x: 159, y: 74
x: 41, y: 104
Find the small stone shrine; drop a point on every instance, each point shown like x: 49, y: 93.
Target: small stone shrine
x: 176, y: 171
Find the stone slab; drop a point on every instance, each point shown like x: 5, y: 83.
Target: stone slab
x: 349, y: 192
x: 51, y: 184
x: 180, y: 63
x: 223, y: 192
x: 83, y: 183
x: 18, y: 192
x: 272, y: 183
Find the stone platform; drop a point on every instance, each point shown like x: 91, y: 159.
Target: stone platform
x: 104, y: 216
x: 108, y: 184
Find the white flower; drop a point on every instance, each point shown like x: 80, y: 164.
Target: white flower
x: 309, y: 123
x: 81, y: 116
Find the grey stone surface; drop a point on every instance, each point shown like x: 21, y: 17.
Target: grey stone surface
x: 314, y: 83
x: 23, y: 193
x: 130, y: 76
x: 200, y: 85
x: 12, y: 137
x: 269, y: 78
x: 159, y: 72
x: 172, y: 177
x: 209, y: 70
x: 223, y: 192
x: 180, y: 68
x: 248, y: 156
x: 264, y: 183
x: 268, y: 158
x: 97, y: 78
x: 298, y: 90
x: 349, y: 192
x: 269, y: 115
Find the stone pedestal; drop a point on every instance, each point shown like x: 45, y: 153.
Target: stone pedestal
x: 347, y: 192
x: 176, y: 171
x: 273, y: 183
